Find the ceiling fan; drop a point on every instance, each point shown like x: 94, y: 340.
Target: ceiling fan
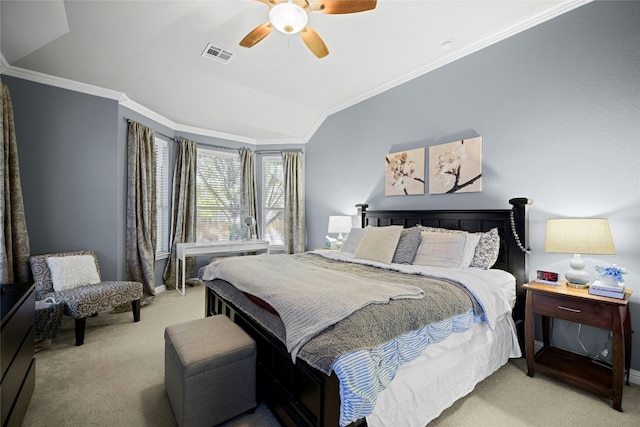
x: 291, y: 17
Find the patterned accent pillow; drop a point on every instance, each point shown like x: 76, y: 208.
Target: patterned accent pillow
x: 487, y: 250
x: 407, y: 246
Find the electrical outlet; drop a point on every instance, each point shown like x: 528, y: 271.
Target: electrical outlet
x: 605, y: 352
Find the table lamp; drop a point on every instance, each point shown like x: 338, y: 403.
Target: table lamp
x: 340, y: 224
x: 579, y: 236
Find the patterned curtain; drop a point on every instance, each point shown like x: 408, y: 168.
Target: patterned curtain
x: 249, y: 195
x: 14, y: 238
x: 293, y: 203
x: 184, y: 209
x: 141, y: 207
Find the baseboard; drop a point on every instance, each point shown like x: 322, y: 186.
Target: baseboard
x: 160, y: 288
x: 634, y: 375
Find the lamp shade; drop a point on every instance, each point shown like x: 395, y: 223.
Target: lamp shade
x: 579, y: 236
x: 340, y: 224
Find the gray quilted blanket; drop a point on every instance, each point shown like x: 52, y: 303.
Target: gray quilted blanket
x: 381, y: 322
x: 308, y: 296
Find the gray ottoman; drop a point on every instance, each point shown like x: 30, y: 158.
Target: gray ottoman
x: 209, y: 371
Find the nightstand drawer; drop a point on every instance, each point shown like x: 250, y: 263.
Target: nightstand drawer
x: 573, y: 310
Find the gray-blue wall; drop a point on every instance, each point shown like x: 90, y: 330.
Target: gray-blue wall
x: 71, y: 170
x: 73, y: 157
x: 558, y: 107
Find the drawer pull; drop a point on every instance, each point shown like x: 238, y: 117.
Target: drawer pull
x: 573, y: 310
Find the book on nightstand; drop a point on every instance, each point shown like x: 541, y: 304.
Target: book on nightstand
x: 599, y: 289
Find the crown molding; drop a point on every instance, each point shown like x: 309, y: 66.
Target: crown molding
x: 63, y: 83
x: 539, y: 18
x: 123, y: 99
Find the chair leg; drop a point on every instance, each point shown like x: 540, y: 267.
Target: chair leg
x: 80, y: 326
x: 135, y: 307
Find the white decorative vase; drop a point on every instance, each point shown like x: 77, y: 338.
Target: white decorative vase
x: 609, y: 281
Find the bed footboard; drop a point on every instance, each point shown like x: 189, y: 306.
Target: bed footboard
x: 297, y: 394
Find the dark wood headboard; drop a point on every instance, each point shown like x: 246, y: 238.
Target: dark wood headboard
x: 511, y: 257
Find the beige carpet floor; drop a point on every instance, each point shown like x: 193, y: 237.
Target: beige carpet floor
x: 117, y: 379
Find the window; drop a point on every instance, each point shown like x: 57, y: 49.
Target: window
x: 163, y: 216
x: 273, y: 200
x: 218, y: 196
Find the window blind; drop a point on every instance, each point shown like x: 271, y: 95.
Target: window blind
x: 218, y: 196
x: 273, y: 200
x: 163, y: 215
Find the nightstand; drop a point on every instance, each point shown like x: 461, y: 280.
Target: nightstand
x: 577, y: 305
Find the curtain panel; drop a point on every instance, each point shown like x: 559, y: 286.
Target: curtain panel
x: 141, y: 207
x: 14, y: 240
x: 183, y: 228
x: 294, y: 215
x: 249, y: 193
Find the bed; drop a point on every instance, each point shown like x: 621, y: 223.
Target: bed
x: 303, y: 381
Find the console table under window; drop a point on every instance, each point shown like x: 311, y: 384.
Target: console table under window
x: 183, y: 250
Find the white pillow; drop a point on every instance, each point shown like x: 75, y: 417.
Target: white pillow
x: 69, y: 272
x: 353, y: 240
x: 440, y: 249
x: 469, y: 249
x: 379, y: 244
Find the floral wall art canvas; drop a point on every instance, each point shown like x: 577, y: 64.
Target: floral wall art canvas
x: 456, y: 167
x: 404, y: 173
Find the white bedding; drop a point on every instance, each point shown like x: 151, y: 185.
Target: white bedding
x: 453, y: 366
x: 436, y: 376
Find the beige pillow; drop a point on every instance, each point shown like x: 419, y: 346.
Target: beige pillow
x: 440, y: 249
x: 379, y: 244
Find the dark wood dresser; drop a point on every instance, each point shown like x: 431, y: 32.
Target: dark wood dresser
x: 18, y: 362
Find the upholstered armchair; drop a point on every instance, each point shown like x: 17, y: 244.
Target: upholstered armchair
x: 73, y: 280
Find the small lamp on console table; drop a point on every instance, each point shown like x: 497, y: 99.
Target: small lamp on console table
x: 340, y: 224
x: 579, y: 236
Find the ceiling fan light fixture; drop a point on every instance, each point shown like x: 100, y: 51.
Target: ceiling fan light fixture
x: 288, y: 18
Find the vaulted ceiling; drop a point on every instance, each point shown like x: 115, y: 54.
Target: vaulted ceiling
x: 148, y: 55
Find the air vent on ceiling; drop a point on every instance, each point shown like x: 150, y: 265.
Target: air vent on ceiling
x: 217, y: 53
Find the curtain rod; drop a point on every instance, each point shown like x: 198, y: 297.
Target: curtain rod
x: 294, y: 150
x: 221, y: 147
x: 154, y: 131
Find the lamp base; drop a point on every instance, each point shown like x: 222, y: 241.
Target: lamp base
x: 577, y: 285
x: 577, y: 277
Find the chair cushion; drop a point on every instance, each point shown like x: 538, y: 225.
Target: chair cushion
x: 87, y: 300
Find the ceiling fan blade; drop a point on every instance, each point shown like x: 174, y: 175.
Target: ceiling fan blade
x: 336, y: 7
x: 258, y: 33
x: 314, y: 42
x: 272, y: 3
